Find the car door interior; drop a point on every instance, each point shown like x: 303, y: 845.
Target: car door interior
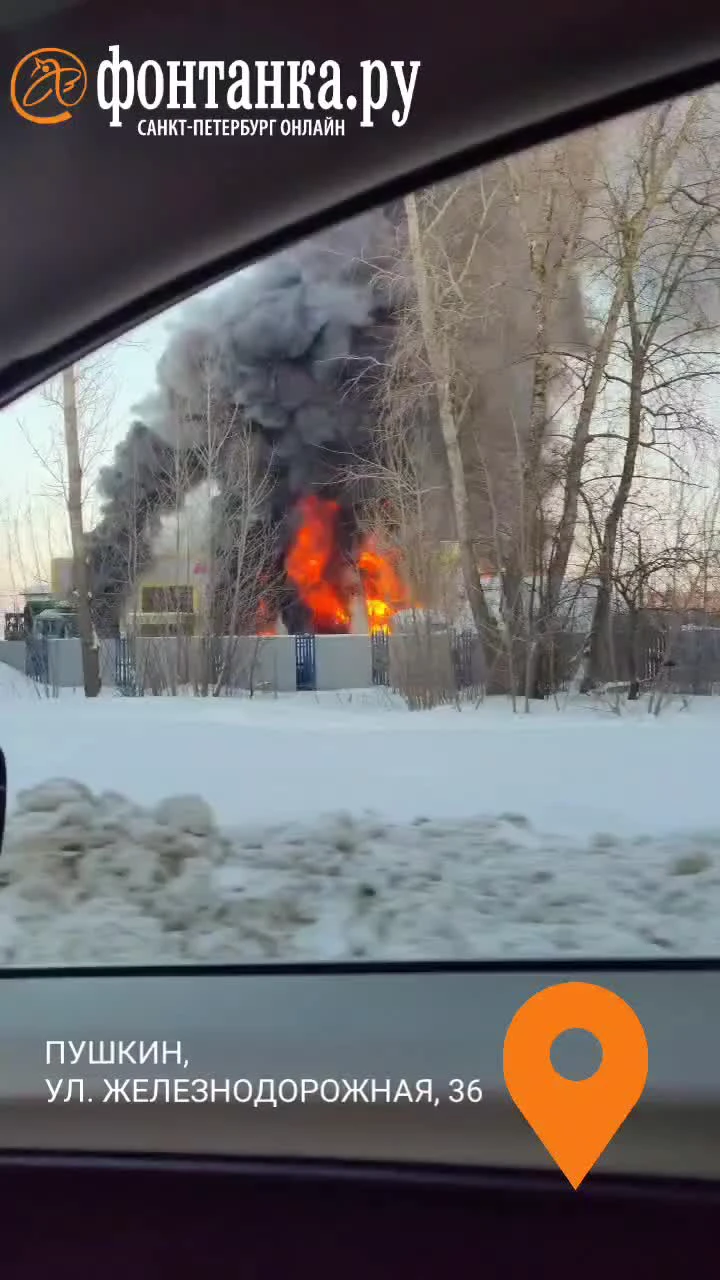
x: 127, y: 1184
x: 145, y: 1219
x: 158, y: 244
x: 3, y: 795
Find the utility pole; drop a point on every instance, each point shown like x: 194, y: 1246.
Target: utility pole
x: 74, y: 498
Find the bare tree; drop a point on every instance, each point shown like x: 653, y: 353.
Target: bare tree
x: 94, y: 395
x: 32, y: 533
x: 645, y: 558
x: 492, y: 324
x: 223, y: 523
x: 432, y: 306
x: 666, y: 337
x: 74, y: 499
x: 81, y: 399
x: 550, y: 189
x: 246, y: 553
x: 399, y: 523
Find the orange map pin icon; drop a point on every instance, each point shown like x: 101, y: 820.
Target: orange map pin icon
x: 575, y: 1119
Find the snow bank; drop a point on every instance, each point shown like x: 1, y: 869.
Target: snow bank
x: 15, y: 684
x: 473, y: 834
x: 265, y: 760
x: 89, y: 878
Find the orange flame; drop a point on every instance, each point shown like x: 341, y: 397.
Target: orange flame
x: 310, y: 566
x: 384, y: 591
x: 308, y: 562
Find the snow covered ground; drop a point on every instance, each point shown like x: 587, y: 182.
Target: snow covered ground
x: 345, y: 826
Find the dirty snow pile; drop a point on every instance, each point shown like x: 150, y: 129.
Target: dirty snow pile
x: 89, y: 878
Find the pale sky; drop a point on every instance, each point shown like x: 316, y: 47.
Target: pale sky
x: 31, y: 430
x: 31, y: 424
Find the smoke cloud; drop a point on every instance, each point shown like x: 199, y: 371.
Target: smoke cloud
x: 294, y: 349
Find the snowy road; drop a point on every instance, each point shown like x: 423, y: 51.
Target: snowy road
x: 294, y: 757
x: 352, y: 828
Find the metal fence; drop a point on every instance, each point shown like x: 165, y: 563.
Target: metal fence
x: 125, y: 674
x: 37, y: 658
x: 463, y: 654
x: 693, y: 660
x: 305, y: 662
x: 651, y: 649
x: 380, y: 645
x: 685, y: 656
x: 149, y: 664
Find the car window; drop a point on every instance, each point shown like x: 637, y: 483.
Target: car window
x: 367, y: 606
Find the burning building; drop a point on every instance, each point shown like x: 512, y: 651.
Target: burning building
x: 283, y: 364
x: 267, y: 394
x: 277, y: 377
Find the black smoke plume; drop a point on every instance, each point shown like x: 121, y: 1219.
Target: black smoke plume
x: 293, y: 349
x: 297, y: 350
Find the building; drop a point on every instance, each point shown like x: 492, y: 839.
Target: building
x: 38, y: 600
x: 169, y: 598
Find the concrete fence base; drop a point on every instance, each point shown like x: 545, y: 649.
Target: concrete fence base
x: 158, y: 664
x: 12, y: 653
x: 280, y: 664
x: 148, y: 665
x: 343, y: 662
x: 57, y: 663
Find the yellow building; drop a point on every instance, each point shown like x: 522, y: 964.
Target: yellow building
x: 169, y: 598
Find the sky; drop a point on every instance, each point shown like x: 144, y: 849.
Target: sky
x: 33, y: 524
x: 29, y: 429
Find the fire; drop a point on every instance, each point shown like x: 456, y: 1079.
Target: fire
x: 382, y: 586
x: 327, y: 586
x: 265, y: 621
x: 309, y: 564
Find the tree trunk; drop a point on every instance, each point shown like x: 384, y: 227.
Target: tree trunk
x: 600, y: 629
x: 659, y: 162
x: 565, y: 532
x: 633, y: 655
x: 439, y: 359
x: 90, y: 654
